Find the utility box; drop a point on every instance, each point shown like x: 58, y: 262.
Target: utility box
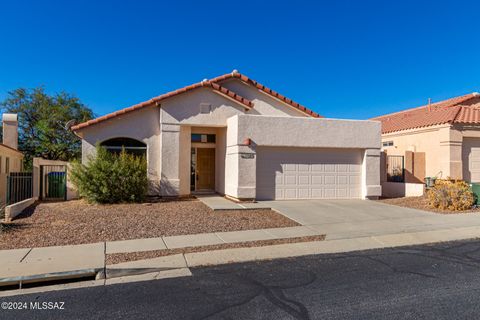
x: 476, y: 192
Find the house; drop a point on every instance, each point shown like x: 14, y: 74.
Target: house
x: 234, y: 136
x: 446, y: 132
x: 11, y: 160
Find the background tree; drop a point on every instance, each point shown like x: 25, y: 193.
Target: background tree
x: 41, y: 123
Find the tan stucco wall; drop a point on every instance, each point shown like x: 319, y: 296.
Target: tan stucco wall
x: 284, y: 132
x: 442, y: 146
x: 142, y: 125
x: 72, y: 192
x: 15, y: 160
x: 422, y: 140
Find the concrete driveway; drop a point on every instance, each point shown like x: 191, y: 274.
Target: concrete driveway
x: 356, y: 218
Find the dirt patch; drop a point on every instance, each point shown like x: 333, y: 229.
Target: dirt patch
x: 77, y: 222
x: 133, y: 256
x: 421, y: 203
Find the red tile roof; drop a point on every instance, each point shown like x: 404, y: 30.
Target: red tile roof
x: 214, y: 85
x: 269, y: 91
x: 462, y: 109
x: 247, y: 103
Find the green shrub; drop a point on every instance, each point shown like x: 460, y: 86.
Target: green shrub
x: 111, y: 178
x: 452, y: 195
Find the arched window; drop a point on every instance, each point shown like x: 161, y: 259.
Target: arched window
x: 130, y: 145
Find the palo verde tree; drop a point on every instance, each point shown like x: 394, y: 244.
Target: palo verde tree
x: 41, y: 121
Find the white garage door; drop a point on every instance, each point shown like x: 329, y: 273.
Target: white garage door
x: 471, y: 159
x: 308, y: 173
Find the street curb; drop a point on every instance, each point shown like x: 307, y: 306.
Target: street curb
x: 290, y: 250
x: 45, y: 277
x: 239, y: 255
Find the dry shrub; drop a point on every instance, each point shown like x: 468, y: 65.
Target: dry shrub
x: 454, y: 195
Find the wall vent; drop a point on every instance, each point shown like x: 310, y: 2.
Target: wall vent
x: 205, y: 108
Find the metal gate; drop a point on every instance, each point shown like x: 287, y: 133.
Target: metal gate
x: 395, y: 169
x: 53, y: 182
x: 19, y: 187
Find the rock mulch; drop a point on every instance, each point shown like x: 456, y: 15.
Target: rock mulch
x: 421, y: 203
x: 77, y: 222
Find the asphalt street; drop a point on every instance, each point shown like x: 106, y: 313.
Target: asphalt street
x: 439, y: 281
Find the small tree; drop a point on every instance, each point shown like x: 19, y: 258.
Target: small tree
x: 111, y: 178
x: 41, y: 123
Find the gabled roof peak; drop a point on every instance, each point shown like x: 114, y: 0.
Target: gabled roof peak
x: 215, y: 85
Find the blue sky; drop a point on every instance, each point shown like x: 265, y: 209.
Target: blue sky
x: 343, y: 59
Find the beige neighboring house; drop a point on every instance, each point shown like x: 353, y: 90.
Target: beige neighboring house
x: 446, y: 132
x: 11, y: 160
x: 236, y: 137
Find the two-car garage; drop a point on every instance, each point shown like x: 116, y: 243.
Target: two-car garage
x: 308, y: 173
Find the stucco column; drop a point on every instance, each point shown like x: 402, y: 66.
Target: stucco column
x: 450, y: 153
x: 170, y: 155
x: 371, y: 174
x: 240, y: 169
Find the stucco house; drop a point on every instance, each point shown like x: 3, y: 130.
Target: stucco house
x: 11, y: 159
x: 447, y: 132
x: 236, y: 137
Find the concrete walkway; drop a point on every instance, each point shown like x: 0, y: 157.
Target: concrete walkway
x: 217, y: 202
x: 343, y: 219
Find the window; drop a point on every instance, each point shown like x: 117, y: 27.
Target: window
x: 203, y: 138
x: 131, y: 146
x: 7, y: 165
x: 387, y: 143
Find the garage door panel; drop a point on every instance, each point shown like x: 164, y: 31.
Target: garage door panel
x: 301, y: 173
x: 304, y: 168
x: 317, y: 167
x: 303, y: 180
x: 303, y: 193
x: 329, y: 180
x: 355, y: 193
x: 290, y: 194
x: 329, y: 168
x: 317, y: 180
x: 354, y: 180
x: 471, y: 159
x: 354, y: 168
x: 342, y: 180
x: 317, y: 193
x: 329, y: 193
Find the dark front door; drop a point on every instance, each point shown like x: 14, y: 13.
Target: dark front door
x: 205, y: 173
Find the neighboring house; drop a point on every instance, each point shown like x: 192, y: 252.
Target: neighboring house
x: 447, y: 132
x: 11, y: 160
x: 236, y: 137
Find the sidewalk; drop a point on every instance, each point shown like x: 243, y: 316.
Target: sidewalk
x: 178, y: 265
x: 29, y: 265
x: 64, y: 262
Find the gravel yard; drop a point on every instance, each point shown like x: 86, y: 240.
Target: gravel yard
x: 421, y: 203
x: 76, y: 222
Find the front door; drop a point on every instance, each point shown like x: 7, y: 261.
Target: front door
x: 205, y: 174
